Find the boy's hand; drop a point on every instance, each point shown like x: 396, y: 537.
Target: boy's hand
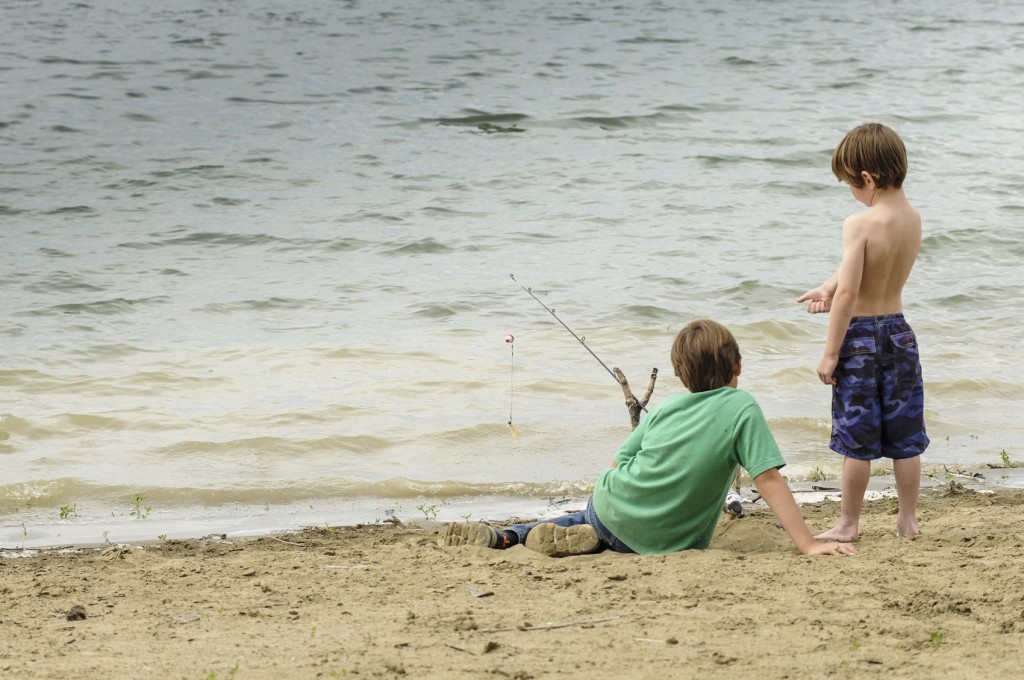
x: 827, y: 370
x: 840, y: 549
x: 818, y: 300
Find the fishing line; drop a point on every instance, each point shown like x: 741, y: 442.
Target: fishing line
x: 581, y: 340
x: 511, y: 340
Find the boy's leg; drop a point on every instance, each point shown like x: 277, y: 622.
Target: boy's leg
x: 521, y: 531
x: 908, y: 487
x: 856, y: 474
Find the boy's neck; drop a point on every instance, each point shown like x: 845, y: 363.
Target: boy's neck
x: 887, y: 196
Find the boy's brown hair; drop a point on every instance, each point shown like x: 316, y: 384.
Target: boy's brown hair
x: 875, y: 148
x: 704, y: 355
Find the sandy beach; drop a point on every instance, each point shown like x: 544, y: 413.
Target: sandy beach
x: 386, y: 600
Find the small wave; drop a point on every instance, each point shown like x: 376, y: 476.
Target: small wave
x: 426, y: 246
x: 113, y: 307
x: 204, y: 75
x: 86, y: 496
x: 72, y: 210
x: 798, y: 188
x: 344, y: 245
x: 779, y: 330
x: 648, y: 40
x: 443, y: 311
x: 76, y: 95
x: 283, y: 102
x: 448, y: 212
x: 276, y: 447
x: 208, y: 238
x: 374, y: 89
x: 649, y: 312
x: 258, y: 305
x: 130, y: 184
x: 974, y: 388
x: 739, y: 61
x: 621, y: 122
x: 480, y: 118
x: 62, y: 281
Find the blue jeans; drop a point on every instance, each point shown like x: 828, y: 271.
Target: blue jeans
x: 588, y: 516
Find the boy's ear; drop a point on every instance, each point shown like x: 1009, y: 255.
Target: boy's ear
x: 737, y: 369
x: 869, y: 179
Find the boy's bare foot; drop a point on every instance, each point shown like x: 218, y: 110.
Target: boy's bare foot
x: 841, y: 534
x: 907, y: 528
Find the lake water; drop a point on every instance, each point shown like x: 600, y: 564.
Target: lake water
x: 255, y: 258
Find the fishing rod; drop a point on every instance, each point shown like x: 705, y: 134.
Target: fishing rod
x: 581, y: 340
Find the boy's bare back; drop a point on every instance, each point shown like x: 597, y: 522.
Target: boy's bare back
x: 880, y: 246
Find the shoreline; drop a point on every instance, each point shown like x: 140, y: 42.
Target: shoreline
x: 238, y: 522
x: 386, y: 600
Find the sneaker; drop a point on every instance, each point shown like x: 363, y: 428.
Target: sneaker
x: 556, y: 541
x: 734, y: 504
x: 470, y: 533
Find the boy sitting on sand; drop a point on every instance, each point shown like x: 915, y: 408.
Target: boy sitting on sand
x: 871, y: 357
x: 666, y: 487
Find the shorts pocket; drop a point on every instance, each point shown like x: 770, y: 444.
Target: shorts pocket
x: 856, y: 362
x: 908, y: 358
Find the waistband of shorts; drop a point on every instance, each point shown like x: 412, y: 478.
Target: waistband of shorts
x: 877, y: 320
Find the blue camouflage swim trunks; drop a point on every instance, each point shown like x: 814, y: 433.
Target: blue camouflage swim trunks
x: 878, y: 399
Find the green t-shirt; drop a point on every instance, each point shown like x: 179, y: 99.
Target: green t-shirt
x: 674, y: 470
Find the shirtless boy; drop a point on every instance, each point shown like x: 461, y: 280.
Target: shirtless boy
x: 871, y: 356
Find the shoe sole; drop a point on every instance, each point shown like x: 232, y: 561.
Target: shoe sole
x: 556, y: 541
x: 470, y: 533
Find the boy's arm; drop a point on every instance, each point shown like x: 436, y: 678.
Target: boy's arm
x: 848, y: 278
x: 774, y: 489
x: 820, y: 299
x: 631, y: 446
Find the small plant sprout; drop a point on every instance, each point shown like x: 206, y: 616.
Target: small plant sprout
x: 162, y: 537
x: 105, y: 536
x: 140, y: 511
x: 1007, y: 463
x: 466, y: 517
x: 68, y: 511
x: 936, y: 639
x: 817, y: 475
x: 429, y: 511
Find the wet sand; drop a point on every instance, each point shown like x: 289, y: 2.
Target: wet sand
x: 386, y: 601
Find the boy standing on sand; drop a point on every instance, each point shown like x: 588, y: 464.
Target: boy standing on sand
x: 871, y: 356
x: 665, y: 488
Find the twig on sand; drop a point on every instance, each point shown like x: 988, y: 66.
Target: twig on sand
x: 976, y: 476
x: 549, y: 626
x: 300, y: 545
